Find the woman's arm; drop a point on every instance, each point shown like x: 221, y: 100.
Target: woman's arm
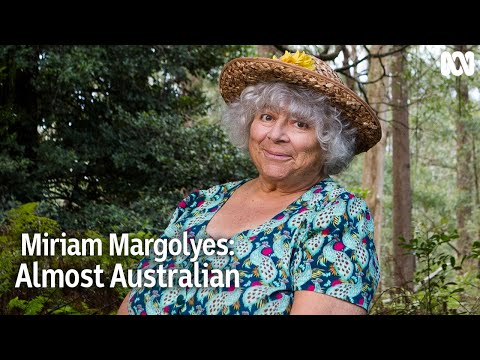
x: 312, y: 303
x: 123, y: 309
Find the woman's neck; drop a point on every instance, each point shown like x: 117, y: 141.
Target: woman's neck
x: 284, y: 187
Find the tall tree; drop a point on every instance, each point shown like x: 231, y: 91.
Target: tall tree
x: 103, y: 126
x: 349, y: 56
x: 374, y: 159
x: 465, y: 176
x: 404, y: 263
x: 18, y: 124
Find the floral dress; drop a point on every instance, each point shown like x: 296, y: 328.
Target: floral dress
x: 321, y: 242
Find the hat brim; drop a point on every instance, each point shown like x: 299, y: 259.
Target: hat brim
x: 242, y: 72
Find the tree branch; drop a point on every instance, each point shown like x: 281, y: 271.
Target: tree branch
x: 388, y: 53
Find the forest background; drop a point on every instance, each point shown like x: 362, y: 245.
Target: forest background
x: 102, y: 139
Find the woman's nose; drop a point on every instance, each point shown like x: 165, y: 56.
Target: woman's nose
x: 278, y: 132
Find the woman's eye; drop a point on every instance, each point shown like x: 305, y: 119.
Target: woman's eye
x: 266, y: 117
x: 301, y: 125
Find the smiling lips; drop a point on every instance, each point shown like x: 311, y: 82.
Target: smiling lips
x: 276, y: 155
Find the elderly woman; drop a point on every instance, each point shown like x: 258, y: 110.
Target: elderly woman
x: 301, y: 243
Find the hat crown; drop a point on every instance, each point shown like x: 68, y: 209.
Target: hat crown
x: 322, y: 68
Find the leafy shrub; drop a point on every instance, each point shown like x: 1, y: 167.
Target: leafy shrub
x: 24, y: 219
x: 441, y: 282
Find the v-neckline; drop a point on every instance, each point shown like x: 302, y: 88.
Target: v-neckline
x: 230, y: 192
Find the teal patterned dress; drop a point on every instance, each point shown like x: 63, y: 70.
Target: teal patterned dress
x: 321, y: 242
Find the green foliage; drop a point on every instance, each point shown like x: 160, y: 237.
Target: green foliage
x: 359, y: 191
x: 54, y: 300
x: 152, y: 178
x: 101, y: 139
x: 37, y: 306
x: 24, y: 220
x: 434, y: 264
x: 442, y: 286
x: 19, y: 220
x: 32, y: 307
x: 83, y: 125
x: 476, y: 251
x: 68, y: 310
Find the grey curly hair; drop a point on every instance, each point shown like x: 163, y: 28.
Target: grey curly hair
x: 334, y: 133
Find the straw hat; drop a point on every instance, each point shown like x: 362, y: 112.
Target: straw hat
x: 309, y: 71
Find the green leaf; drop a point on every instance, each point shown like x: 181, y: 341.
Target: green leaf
x: 452, y: 261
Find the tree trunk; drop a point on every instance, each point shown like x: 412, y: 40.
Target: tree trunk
x: 465, y: 183
x: 349, y: 81
x: 374, y: 159
x: 477, y: 194
x: 353, y: 56
x: 404, y: 263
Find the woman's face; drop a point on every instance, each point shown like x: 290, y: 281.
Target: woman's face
x: 284, y: 148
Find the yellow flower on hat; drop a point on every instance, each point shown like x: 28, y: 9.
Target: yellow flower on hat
x: 300, y: 59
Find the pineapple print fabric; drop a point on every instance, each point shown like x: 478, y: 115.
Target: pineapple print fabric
x: 322, y: 242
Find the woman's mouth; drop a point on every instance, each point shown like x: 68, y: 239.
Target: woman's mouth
x: 276, y: 155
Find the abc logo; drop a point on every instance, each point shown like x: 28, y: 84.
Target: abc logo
x: 447, y: 63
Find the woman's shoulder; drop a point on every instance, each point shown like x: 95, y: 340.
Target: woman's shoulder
x: 199, y: 196
x: 330, y: 195
x: 220, y: 189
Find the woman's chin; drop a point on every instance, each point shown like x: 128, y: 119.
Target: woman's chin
x: 275, y: 174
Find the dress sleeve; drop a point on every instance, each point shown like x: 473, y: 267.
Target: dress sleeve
x: 181, y: 210
x: 337, y: 256
x: 173, y: 229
